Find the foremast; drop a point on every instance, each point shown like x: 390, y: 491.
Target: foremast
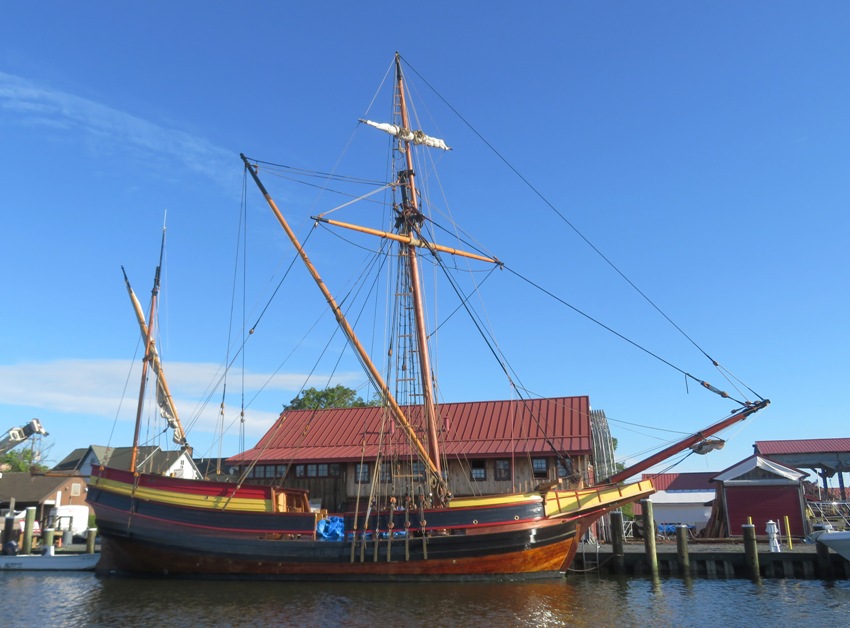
x: 436, y: 479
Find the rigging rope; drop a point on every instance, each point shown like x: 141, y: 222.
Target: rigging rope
x: 581, y: 235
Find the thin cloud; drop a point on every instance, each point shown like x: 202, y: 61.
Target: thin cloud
x: 26, y: 103
x: 102, y: 387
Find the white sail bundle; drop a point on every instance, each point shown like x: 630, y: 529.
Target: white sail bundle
x: 417, y: 137
x: 163, y: 400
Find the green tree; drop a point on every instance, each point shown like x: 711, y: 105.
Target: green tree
x: 337, y: 396
x: 20, y: 461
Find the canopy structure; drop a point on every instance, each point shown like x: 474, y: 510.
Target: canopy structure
x: 827, y: 457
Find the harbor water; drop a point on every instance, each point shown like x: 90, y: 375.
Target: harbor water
x: 82, y: 599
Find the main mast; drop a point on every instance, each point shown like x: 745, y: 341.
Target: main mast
x: 410, y: 224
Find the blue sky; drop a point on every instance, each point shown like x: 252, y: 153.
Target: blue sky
x: 702, y: 146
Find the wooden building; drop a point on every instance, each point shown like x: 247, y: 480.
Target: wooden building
x: 150, y: 459
x: 41, y: 492
x: 489, y: 447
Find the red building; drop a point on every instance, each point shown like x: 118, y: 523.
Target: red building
x: 760, y: 490
x: 489, y: 446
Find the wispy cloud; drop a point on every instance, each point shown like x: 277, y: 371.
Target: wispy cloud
x: 28, y: 103
x: 108, y: 388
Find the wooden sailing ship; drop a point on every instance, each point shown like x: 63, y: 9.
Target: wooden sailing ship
x: 157, y: 525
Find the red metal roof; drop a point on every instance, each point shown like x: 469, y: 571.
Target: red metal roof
x: 806, y: 446
x: 472, y: 429
x: 699, y: 481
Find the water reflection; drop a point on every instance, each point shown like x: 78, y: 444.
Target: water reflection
x: 84, y: 600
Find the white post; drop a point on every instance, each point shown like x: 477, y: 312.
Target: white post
x: 772, y: 536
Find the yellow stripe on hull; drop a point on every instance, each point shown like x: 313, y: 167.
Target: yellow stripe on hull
x: 564, y: 503
x: 185, y: 499
x: 494, y: 500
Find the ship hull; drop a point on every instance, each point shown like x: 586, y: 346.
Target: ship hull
x: 507, y: 537
x: 159, y: 526
x: 507, y: 556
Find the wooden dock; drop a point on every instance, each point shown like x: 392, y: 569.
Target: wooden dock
x: 713, y: 559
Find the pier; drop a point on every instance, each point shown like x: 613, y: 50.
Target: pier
x: 713, y: 558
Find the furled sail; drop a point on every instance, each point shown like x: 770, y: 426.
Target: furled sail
x: 163, y: 397
x: 708, y: 445
x: 417, y: 137
x: 163, y: 400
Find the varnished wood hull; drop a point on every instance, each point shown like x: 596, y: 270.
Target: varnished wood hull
x: 500, y: 538
x: 506, y: 557
x: 179, y: 528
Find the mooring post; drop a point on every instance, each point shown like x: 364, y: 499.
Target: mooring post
x: 682, y: 549
x: 47, y: 537
x: 751, y: 550
x: 91, y: 535
x: 29, y: 524
x: 618, y: 542
x: 649, y: 537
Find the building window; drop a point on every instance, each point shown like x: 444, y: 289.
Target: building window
x: 318, y: 470
x: 565, y: 467
x: 75, y: 489
x: 478, y: 470
x: 417, y: 470
x: 502, y: 471
x: 386, y: 472
x: 540, y: 468
x: 361, y: 473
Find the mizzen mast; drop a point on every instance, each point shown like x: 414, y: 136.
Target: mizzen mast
x: 149, y: 345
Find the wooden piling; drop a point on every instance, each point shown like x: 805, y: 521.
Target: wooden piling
x: 649, y: 537
x: 91, y: 535
x: 29, y: 525
x: 618, y: 543
x: 682, y: 556
x: 751, y: 551
x: 47, y: 537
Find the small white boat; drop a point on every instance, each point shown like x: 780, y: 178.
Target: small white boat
x: 838, y: 542
x: 49, y: 562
